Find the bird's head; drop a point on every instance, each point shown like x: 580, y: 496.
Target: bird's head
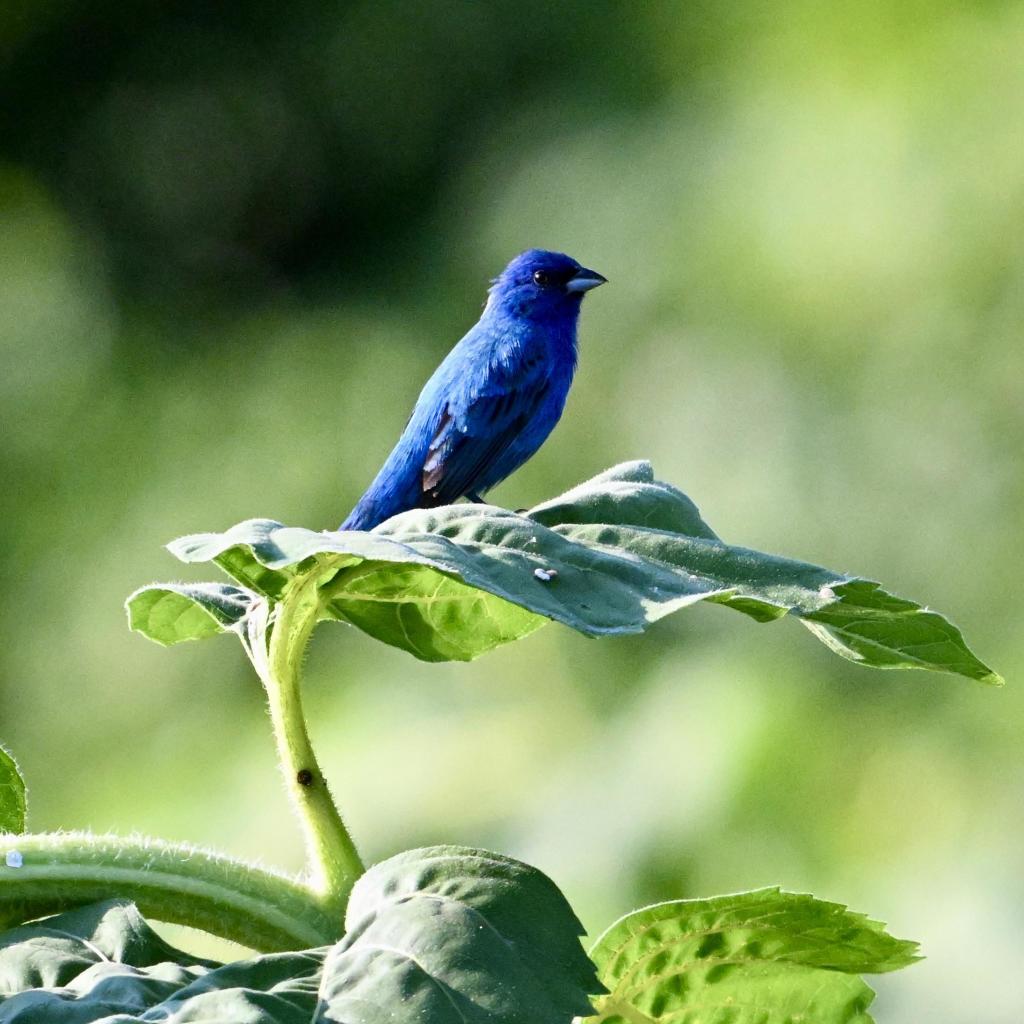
x: 542, y: 285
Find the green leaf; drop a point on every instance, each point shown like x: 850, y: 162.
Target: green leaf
x: 445, y: 935
x: 46, y: 964
x: 608, y: 557
x: 432, y: 615
x: 103, y: 961
x: 763, y: 957
x: 873, y: 627
x: 172, y: 612
x: 244, y: 552
x: 627, y: 495
x: 13, y: 803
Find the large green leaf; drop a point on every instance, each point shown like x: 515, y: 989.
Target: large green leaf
x: 454, y: 935
x: 12, y: 795
x: 609, y: 557
x: 443, y: 935
x: 764, y: 957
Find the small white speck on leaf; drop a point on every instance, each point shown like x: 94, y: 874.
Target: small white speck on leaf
x: 545, y: 575
x: 828, y: 593
x: 14, y: 859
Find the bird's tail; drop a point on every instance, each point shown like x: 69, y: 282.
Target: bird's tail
x: 381, y: 501
x: 361, y: 518
x: 396, y: 488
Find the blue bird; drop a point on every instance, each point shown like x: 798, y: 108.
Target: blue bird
x: 494, y: 399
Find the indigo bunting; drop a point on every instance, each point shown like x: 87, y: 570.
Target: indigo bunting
x: 494, y: 399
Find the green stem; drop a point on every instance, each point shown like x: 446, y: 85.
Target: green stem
x: 333, y: 864
x: 264, y: 910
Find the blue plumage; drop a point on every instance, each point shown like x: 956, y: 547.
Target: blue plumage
x: 493, y: 401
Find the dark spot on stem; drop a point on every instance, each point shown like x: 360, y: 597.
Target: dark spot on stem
x: 304, y: 777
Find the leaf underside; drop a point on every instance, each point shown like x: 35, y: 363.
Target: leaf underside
x: 763, y: 957
x: 446, y: 935
x: 609, y: 557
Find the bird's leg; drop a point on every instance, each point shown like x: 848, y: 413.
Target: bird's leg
x: 475, y: 498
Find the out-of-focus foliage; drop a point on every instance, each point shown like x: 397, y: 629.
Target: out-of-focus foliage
x: 234, y: 241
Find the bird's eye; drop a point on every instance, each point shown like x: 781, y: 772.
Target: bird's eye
x: 541, y: 277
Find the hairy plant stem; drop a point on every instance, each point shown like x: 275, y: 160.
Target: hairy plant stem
x: 267, y: 911
x: 332, y: 862
x: 51, y: 872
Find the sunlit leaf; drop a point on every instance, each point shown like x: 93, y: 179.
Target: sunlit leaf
x: 609, y: 557
x: 244, y: 552
x: 866, y: 624
x: 12, y: 795
x: 764, y: 957
x: 172, y: 612
x: 627, y: 495
x: 432, y: 615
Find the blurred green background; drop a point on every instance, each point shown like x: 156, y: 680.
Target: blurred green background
x: 236, y: 239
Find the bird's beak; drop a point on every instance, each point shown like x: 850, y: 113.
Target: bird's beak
x: 583, y: 280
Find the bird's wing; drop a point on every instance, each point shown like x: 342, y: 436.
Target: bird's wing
x: 467, y: 444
